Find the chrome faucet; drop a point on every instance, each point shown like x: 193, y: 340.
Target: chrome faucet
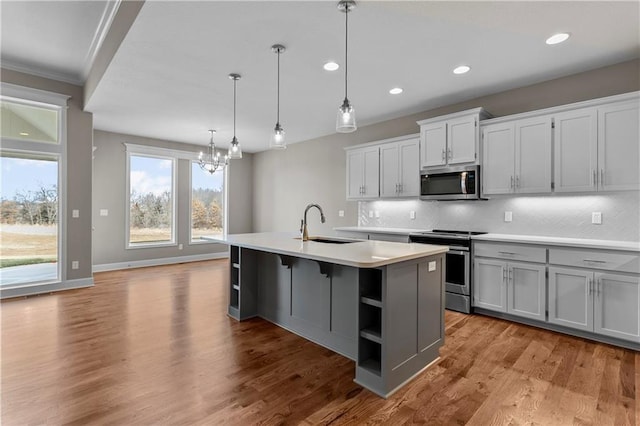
x: 303, y: 222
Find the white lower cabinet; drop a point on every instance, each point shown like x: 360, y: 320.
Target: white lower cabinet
x: 604, y: 303
x: 516, y: 288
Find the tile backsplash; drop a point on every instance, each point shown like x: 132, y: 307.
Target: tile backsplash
x: 549, y: 215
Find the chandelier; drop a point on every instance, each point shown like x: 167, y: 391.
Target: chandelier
x: 213, y: 160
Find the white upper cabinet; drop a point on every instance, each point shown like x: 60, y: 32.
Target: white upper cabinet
x: 451, y: 139
x: 400, y: 169
x: 517, y: 156
x: 363, y: 173
x: 388, y: 168
x: 597, y: 148
x: 619, y: 146
x: 576, y: 153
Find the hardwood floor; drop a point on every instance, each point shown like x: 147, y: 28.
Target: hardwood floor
x: 155, y: 346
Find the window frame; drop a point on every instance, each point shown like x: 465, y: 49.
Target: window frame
x: 28, y: 149
x: 225, y: 175
x: 161, y: 154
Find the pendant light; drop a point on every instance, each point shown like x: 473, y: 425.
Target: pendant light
x: 277, y: 139
x: 213, y: 160
x: 346, y: 119
x: 235, y: 152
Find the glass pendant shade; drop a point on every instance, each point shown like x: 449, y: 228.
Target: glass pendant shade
x: 235, y: 151
x: 346, y: 118
x: 277, y: 138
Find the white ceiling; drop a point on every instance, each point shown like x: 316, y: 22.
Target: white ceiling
x: 168, y: 79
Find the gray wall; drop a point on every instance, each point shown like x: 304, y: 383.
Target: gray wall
x: 315, y: 170
x: 109, y: 192
x: 79, y: 139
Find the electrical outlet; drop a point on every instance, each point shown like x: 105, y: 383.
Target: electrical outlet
x: 370, y: 213
x: 179, y: 246
x: 75, y: 264
x: 340, y: 213
x: 377, y: 214
x: 75, y: 213
x: 104, y: 212
x: 596, y: 218
x: 412, y: 215
x: 508, y: 216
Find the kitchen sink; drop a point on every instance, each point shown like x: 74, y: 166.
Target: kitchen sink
x: 328, y: 240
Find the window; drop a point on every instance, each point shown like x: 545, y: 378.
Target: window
x: 31, y: 163
x: 151, y: 200
x: 207, y: 204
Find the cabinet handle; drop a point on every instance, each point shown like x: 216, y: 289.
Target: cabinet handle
x: 594, y: 261
x: 511, y: 274
x: 443, y: 153
x: 595, y: 178
x: 601, y: 177
x: 511, y: 184
x: 397, y: 188
x: 590, y: 286
x: 364, y: 190
x: 517, y: 181
x: 510, y: 253
x: 450, y: 153
x: 401, y: 188
x: 504, y: 274
x: 599, y: 287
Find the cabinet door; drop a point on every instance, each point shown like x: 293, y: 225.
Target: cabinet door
x: 533, y: 155
x: 389, y: 162
x: 371, y: 182
x: 575, y: 157
x: 526, y: 290
x: 571, y: 298
x: 489, y: 280
x: 355, y: 174
x: 433, y: 144
x: 619, y: 147
x: 462, y: 140
x: 497, y: 159
x: 409, y: 152
x: 617, y: 306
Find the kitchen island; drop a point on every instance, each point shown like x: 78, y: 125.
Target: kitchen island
x: 378, y: 303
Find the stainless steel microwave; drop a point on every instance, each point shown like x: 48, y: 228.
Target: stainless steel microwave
x: 452, y: 183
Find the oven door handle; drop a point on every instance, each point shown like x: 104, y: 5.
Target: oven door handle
x: 459, y: 252
x: 463, y: 182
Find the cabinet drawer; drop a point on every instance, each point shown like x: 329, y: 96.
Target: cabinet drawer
x: 511, y: 252
x: 611, y: 261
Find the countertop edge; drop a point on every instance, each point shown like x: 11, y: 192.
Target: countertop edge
x: 561, y: 241
x: 379, y: 230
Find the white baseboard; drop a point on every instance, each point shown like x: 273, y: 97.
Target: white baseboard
x: 45, y: 288
x: 156, y: 262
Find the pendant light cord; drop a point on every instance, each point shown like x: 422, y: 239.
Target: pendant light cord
x: 346, y: 47
x: 278, y: 109
x: 234, y: 107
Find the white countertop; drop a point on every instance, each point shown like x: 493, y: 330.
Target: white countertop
x: 561, y: 241
x: 379, y: 230
x: 360, y: 254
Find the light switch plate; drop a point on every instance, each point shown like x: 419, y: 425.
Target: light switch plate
x: 75, y: 213
x: 340, y: 213
x: 412, y: 214
x: 75, y: 264
x: 377, y: 214
x: 596, y: 218
x: 508, y: 216
x: 432, y: 266
x: 104, y: 212
x: 370, y: 213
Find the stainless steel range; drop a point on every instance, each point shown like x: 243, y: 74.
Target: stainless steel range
x: 458, y: 277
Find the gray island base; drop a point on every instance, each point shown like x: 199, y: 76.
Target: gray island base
x: 378, y: 303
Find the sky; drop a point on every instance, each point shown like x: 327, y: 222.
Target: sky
x: 18, y: 174
x: 154, y: 175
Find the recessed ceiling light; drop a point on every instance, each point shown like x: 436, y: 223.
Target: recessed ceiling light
x: 395, y: 91
x: 557, y: 38
x: 461, y: 69
x: 331, y: 66
x: 24, y: 134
